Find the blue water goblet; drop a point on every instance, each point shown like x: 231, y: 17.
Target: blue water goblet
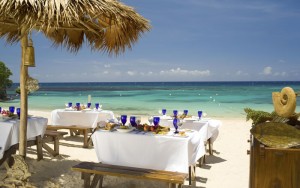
x: 12, y: 109
x: 78, y: 106
x: 175, y: 123
x: 175, y: 112
x: 133, y: 121
x: 89, y: 105
x: 97, y: 105
x: 69, y: 104
x: 0, y: 109
x: 164, y: 111
x: 123, y: 119
x: 19, y: 112
x: 185, y: 112
x: 199, y: 114
x: 156, y: 121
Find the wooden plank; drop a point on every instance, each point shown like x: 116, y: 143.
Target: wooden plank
x: 130, y: 172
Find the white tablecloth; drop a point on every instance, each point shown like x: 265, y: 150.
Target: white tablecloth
x: 9, y: 131
x: 212, y: 126
x: 148, y: 151
x: 82, y: 118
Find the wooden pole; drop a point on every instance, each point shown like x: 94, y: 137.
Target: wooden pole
x: 24, y: 102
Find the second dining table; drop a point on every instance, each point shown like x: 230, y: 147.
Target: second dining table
x: 83, y: 118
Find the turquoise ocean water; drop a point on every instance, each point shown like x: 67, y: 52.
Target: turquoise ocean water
x: 217, y: 99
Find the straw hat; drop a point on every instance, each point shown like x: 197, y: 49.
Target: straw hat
x: 284, y: 102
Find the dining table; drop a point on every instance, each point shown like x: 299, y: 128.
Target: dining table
x: 88, y: 118
x: 170, y: 152
x: 207, y: 127
x: 9, y: 131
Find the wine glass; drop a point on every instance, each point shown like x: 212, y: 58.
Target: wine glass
x: 156, y: 121
x: 12, y: 109
x: 0, y: 109
x: 175, y: 112
x: 199, y: 114
x: 19, y: 112
x: 89, y: 105
x: 69, y: 104
x: 123, y: 119
x: 175, y: 123
x: 164, y: 111
x: 96, y: 106
x: 132, y: 121
x: 150, y: 119
x: 78, y: 106
x: 185, y: 112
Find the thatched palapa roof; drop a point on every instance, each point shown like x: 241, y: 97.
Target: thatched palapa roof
x: 106, y: 25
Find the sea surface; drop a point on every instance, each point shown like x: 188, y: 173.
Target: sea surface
x: 216, y: 99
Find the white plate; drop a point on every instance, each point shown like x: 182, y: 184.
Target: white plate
x: 189, y: 119
x: 87, y: 109
x: 125, y: 130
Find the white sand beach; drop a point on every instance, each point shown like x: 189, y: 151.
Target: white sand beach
x: 228, y: 167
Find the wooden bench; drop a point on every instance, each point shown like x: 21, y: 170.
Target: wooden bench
x: 13, y: 149
x: 52, y: 136
x: 77, y: 129
x: 88, y: 169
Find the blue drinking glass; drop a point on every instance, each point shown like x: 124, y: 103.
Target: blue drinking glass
x: 19, y: 112
x: 164, y: 111
x: 0, y: 109
x: 133, y: 121
x: 199, y: 114
x: 78, y: 106
x: 97, y: 105
x: 12, y: 109
x: 89, y: 105
x: 156, y: 121
x: 175, y: 112
x: 69, y: 104
x: 175, y: 123
x: 185, y: 112
x: 123, y: 119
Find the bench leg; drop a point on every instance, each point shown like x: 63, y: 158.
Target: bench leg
x: 39, y: 147
x: 97, y: 178
x: 87, y: 180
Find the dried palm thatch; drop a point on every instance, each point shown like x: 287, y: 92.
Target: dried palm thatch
x: 106, y: 25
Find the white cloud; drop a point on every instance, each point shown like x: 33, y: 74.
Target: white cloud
x: 267, y: 71
x: 180, y: 71
x: 131, y: 73
x: 280, y: 74
x: 107, y: 66
x: 241, y: 73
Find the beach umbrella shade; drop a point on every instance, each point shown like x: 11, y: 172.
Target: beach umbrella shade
x: 105, y: 25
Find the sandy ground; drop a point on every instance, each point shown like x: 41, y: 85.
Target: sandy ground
x: 228, y: 167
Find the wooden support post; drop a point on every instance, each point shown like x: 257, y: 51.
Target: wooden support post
x: 87, y: 179
x: 23, y: 90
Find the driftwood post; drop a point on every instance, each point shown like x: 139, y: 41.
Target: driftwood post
x: 24, y: 100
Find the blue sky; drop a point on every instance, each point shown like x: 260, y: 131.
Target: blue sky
x: 190, y: 40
